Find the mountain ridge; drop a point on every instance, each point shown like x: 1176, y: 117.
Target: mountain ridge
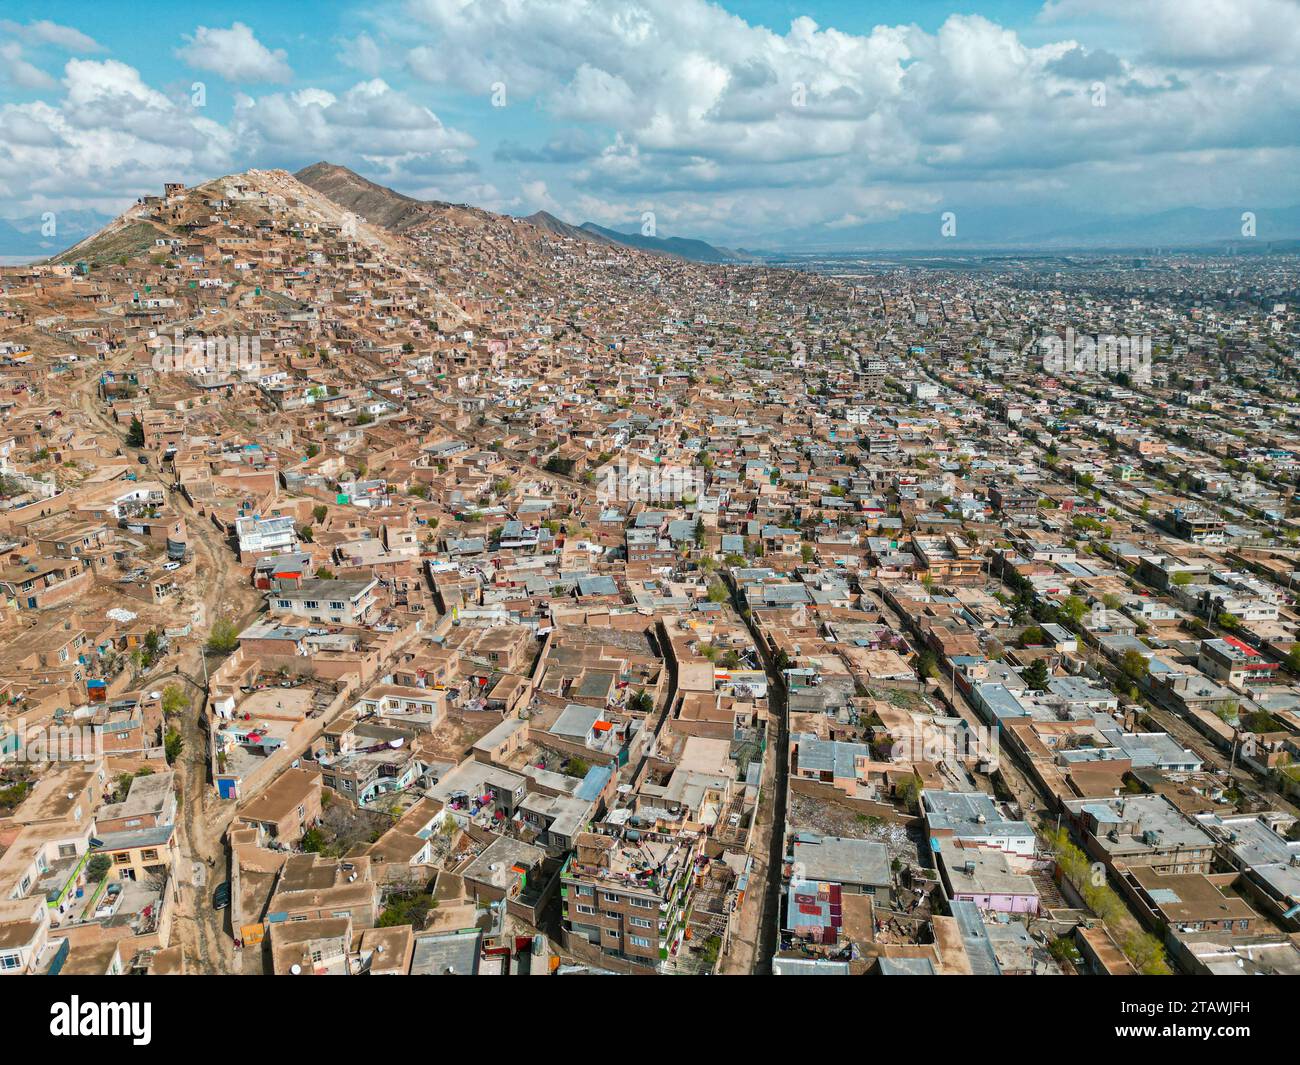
x: 395, y: 210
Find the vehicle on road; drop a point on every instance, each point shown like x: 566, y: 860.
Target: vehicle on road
x: 221, y: 896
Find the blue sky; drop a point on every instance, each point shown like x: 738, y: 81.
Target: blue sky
x: 727, y: 120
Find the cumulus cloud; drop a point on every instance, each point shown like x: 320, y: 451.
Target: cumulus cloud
x: 235, y: 54
x: 698, y: 104
x: 1218, y: 32
x: 370, y: 120
x: 111, y: 132
x: 108, y: 138
x: 720, y: 125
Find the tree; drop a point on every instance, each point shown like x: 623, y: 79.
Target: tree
x: 173, y: 743
x: 1033, y: 636
x: 224, y: 637
x: 806, y: 552
x: 1036, y: 676
x: 1147, y: 954
x: 319, y: 512
x: 1134, y: 664
x: 313, y: 841
x: 97, y: 868
x: 1293, y: 659
x: 908, y: 792
x: 174, y: 700
x: 135, y: 434
x: 406, y: 909
x: 927, y: 665
x: 1073, y: 608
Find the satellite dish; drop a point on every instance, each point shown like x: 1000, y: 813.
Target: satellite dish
x: 296, y: 970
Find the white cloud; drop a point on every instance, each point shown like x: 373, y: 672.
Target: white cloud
x: 109, y: 139
x: 45, y: 32
x: 16, y: 70
x: 698, y: 104
x: 1219, y: 32
x: 235, y: 54
x: 362, y: 53
x: 369, y: 119
x: 104, y: 136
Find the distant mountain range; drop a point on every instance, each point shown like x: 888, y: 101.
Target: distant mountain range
x: 682, y: 247
x: 1044, y: 229
x: 1019, y: 228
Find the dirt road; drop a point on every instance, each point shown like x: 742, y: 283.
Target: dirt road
x: 203, y: 863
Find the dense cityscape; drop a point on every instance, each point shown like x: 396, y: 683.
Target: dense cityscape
x: 397, y: 579
x: 462, y: 596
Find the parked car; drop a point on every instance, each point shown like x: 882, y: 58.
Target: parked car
x: 221, y: 896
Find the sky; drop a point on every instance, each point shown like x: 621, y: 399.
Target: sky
x: 726, y: 120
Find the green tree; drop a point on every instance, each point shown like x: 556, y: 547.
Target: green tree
x: 1073, y: 608
x: 1134, y: 664
x: 224, y: 637
x: 173, y: 743
x: 135, y: 433
x: 927, y: 665
x: 909, y: 792
x: 97, y: 868
x: 1037, y: 676
x: 1293, y: 659
x: 642, y: 702
x: 174, y: 700
x: 1147, y: 954
x: 1033, y: 636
